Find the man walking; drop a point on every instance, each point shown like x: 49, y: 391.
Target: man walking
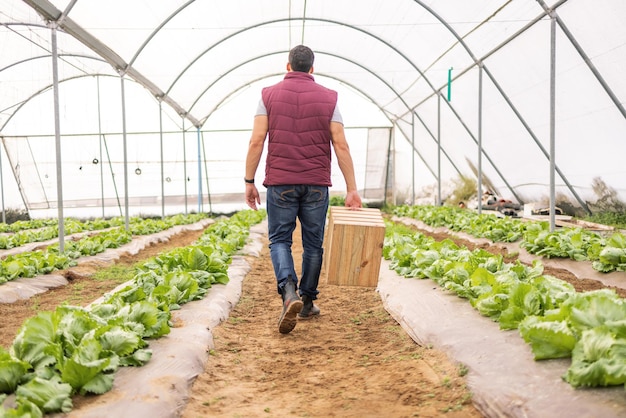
x: 302, y: 120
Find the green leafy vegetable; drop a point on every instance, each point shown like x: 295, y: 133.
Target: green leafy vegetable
x: 11, y: 372
x: 48, y: 395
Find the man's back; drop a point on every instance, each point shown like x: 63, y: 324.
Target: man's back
x: 299, y: 114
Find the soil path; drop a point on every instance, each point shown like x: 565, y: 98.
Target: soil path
x: 353, y: 360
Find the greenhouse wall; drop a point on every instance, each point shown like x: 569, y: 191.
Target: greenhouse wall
x: 527, y: 96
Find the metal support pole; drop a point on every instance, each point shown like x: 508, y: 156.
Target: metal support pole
x: 162, y: 166
x: 100, y: 139
x: 185, y: 164
x: 4, y: 215
x: 388, y: 172
x: 412, y: 158
x: 57, y: 136
x: 552, y: 115
x: 439, y: 149
x: 480, y: 137
x: 206, y: 170
x: 199, y: 172
x: 126, y: 216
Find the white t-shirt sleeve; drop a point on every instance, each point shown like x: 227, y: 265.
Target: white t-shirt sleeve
x: 337, y: 116
x: 261, y: 110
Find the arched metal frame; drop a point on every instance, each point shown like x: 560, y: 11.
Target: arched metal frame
x: 371, y: 99
x: 49, y: 12
x: 49, y: 86
x: 377, y: 38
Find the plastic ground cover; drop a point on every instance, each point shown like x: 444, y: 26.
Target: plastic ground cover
x: 505, y: 379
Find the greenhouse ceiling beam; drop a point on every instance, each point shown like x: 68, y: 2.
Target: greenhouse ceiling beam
x: 21, y: 104
x: 517, y: 113
x: 156, y: 30
x: 356, y: 28
x: 368, y: 70
x: 483, y: 58
x: 476, y: 62
x: 248, y: 82
x: 581, y: 202
x: 481, y: 62
x: 270, y: 22
x: 399, y: 97
x: 44, y: 89
x: 387, y: 44
x: 50, y: 13
x: 48, y: 52
x: 510, y: 103
x: 438, y: 92
x: 467, y: 129
x: 570, y: 36
x: 469, y: 51
x: 14, y: 63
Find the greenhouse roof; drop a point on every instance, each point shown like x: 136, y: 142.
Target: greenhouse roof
x: 535, y: 85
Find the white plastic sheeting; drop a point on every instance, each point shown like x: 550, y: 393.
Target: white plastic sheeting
x: 444, y: 76
x: 504, y: 377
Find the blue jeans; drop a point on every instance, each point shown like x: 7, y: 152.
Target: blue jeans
x: 309, y: 204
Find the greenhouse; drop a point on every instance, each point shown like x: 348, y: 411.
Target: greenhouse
x: 125, y: 127
x: 142, y: 107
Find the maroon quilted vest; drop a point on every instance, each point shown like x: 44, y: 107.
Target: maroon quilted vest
x: 299, y: 146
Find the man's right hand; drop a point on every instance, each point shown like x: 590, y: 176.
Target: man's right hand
x: 252, y: 196
x: 353, y: 200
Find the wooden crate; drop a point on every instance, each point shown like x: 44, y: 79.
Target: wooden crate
x: 353, y: 246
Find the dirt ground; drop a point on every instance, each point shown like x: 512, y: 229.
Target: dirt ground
x: 352, y: 360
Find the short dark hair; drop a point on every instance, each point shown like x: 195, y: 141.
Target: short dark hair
x: 301, y: 58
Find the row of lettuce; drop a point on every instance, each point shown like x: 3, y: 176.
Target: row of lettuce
x: 71, y: 350
x: 112, y: 234
x: 20, y: 233
x: 27, y: 224
x: 607, y: 254
x: 555, y: 320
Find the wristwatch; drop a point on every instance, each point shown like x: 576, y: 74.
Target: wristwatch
x: 251, y: 181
